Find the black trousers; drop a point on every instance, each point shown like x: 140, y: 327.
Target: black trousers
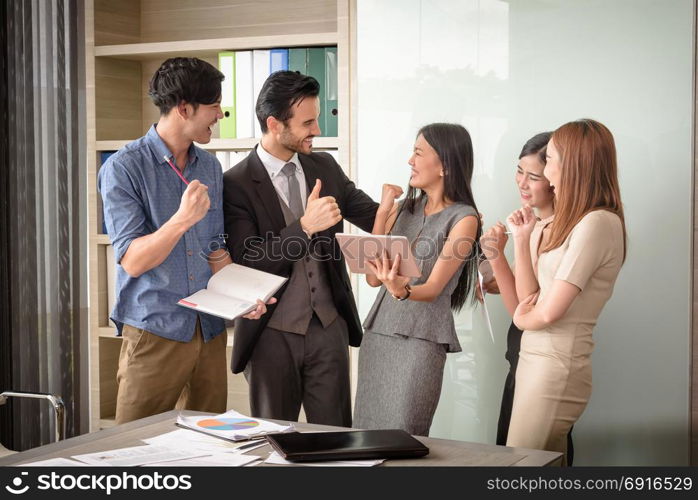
x: 512, y: 355
x: 287, y: 370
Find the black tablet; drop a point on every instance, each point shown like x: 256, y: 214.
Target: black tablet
x: 349, y: 445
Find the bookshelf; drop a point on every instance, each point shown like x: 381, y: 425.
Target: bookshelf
x: 205, y: 49
x: 126, y: 41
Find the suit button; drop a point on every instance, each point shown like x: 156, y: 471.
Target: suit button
x: 312, y: 290
x: 310, y: 274
x: 191, y: 277
x: 189, y: 253
x: 307, y: 259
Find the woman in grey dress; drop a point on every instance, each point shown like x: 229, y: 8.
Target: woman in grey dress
x: 410, y: 327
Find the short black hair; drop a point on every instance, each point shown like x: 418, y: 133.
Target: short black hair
x: 537, y: 145
x: 187, y: 79
x: 281, y: 91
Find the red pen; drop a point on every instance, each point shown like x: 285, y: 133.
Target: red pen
x: 169, y: 162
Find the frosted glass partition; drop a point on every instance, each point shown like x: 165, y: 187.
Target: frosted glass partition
x: 507, y: 70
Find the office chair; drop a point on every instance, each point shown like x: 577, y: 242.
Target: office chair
x: 58, y: 410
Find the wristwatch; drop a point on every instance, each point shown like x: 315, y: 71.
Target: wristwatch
x: 409, y: 292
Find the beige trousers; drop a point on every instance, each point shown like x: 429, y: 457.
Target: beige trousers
x: 157, y: 374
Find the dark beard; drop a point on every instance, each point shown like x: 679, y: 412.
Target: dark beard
x: 289, y: 142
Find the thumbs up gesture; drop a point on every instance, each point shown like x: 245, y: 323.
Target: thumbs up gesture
x: 320, y: 212
x: 315, y: 193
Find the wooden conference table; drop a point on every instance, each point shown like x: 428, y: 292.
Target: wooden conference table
x: 442, y: 452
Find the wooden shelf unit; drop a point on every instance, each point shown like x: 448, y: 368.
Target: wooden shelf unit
x: 126, y: 41
x: 205, y: 49
x: 101, y: 239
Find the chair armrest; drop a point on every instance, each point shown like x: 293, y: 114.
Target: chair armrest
x: 56, y: 403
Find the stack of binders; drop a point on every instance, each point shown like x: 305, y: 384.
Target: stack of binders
x: 245, y: 72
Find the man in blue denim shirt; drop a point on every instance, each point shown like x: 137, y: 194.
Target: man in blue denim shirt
x: 163, y: 212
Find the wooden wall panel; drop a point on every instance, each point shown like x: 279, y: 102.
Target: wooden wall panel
x: 150, y: 112
x: 117, y: 21
x: 92, y: 210
x: 101, y: 285
x: 167, y: 20
x: 118, y: 99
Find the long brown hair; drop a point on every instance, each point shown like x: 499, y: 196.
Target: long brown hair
x: 588, y: 177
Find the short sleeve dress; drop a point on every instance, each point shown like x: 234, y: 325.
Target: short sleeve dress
x: 553, y: 377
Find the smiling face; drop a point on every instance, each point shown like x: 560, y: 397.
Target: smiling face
x: 553, y: 165
x: 427, y: 169
x: 201, y: 120
x: 296, y: 135
x: 534, y: 188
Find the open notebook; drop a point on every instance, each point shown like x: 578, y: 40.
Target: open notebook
x: 233, y: 291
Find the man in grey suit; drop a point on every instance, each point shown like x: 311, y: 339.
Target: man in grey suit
x: 283, y: 204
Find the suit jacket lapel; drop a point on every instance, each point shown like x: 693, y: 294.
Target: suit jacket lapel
x: 310, y: 172
x: 266, y: 191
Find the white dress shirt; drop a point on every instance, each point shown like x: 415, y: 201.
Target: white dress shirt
x: 273, y: 165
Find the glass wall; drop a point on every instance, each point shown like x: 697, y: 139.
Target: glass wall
x: 507, y: 70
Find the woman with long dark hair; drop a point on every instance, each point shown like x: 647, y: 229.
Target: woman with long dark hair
x: 410, y: 327
x: 534, y: 191
x: 577, y: 268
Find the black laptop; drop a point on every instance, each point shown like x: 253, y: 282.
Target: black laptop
x: 349, y: 445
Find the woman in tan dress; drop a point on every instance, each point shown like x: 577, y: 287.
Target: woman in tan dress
x: 576, y: 271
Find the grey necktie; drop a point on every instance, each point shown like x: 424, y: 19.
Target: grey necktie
x: 293, y: 189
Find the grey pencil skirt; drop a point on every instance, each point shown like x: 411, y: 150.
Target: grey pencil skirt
x: 399, y: 383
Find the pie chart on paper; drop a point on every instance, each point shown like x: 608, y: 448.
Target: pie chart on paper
x: 227, y: 424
